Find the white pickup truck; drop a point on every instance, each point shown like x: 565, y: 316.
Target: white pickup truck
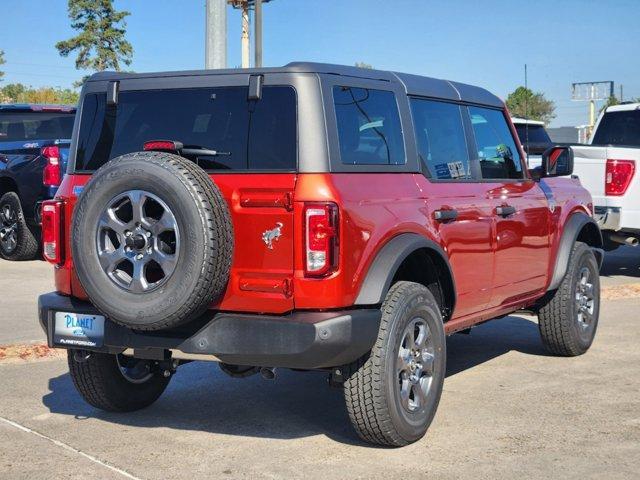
x: 607, y: 168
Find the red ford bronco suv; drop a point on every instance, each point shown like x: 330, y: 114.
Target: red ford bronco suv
x: 314, y: 217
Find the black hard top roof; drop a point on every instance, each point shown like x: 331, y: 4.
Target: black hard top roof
x: 413, y: 84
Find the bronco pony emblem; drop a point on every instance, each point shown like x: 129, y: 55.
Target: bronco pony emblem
x: 270, y: 235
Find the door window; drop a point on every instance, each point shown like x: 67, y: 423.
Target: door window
x: 369, y: 129
x: 497, y: 151
x: 440, y: 136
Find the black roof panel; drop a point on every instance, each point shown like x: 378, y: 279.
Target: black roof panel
x: 413, y: 84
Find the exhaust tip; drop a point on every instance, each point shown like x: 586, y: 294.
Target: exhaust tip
x: 624, y: 240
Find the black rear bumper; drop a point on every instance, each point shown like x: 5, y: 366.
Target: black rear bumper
x: 306, y: 340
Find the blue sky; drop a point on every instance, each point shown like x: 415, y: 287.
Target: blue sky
x: 483, y: 42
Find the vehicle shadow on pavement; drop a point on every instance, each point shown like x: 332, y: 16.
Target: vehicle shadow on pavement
x: 297, y: 404
x: 625, y: 261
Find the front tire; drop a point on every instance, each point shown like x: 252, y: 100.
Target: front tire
x: 17, y: 242
x: 568, y: 321
x: 393, y: 392
x: 116, y: 383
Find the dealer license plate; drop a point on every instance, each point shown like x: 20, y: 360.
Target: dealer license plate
x: 77, y: 329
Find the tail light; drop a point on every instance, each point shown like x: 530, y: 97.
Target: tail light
x: 321, y: 239
x: 618, y: 176
x: 52, y: 246
x: 52, y: 174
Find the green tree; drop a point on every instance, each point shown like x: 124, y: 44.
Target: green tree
x: 363, y: 65
x: 101, y: 42
x: 611, y: 101
x: 2, y: 62
x: 19, y: 93
x: 525, y: 103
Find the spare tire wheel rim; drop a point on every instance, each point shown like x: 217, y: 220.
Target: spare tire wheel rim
x: 138, y: 241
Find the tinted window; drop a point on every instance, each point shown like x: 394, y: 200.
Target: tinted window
x: 619, y: 128
x: 369, y: 128
x: 442, y: 146
x: 19, y: 126
x: 249, y: 135
x: 499, y: 157
x: 536, y: 134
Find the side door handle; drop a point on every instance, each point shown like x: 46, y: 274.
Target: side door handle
x: 445, y: 215
x: 505, y: 210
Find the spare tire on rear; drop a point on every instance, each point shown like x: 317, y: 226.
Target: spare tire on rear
x: 152, y: 240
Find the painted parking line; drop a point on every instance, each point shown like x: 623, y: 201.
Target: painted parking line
x: 69, y: 448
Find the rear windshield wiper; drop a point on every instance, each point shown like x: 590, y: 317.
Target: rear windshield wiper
x: 202, y: 151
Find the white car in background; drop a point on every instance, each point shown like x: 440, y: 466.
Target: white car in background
x: 534, y: 139
x: 607, y: 167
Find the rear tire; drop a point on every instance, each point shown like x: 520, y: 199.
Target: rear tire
x: 17, y: 242
x: 392, y: 393
x: 101, y: 382
x: 568, y: 321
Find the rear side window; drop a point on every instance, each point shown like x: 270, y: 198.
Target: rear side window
x: 25, y: 126
x: 497, y: 151
x: 619, y: 128
x: 440, y: 136
x: 369, y: 129
x: 247, y: 134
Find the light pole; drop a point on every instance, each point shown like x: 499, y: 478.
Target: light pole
x: 245, y: 6
x: 216, y: 34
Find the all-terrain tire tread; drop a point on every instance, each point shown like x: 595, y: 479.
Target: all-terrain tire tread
x: 94, y: 381
x: 216, y: 261
x: 556, y: 316
x: 363, y: 388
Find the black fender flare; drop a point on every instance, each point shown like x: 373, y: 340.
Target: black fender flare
x: 574, y: 226
x: 378, y: 280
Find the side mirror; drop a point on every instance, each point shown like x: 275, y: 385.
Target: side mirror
x: 557, y: 162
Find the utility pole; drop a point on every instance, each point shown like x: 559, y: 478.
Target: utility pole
x: 621, y: 97
x: 216, y: 34
x: 245, y: 35
x: 258, y: 33
x: 245, y: 6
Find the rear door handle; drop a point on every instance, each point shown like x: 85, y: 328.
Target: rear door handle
x: 445, y: 215
x: 505, y: 210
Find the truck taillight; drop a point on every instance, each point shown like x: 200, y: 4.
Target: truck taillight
x: 52, y: 247
x: 52, y: 174
x: 618, y: 176
x: 321, y: 239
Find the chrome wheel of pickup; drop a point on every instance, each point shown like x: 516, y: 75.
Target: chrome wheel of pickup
x: 138, y: 241
x: 416, y: 356
x: 8, y: 228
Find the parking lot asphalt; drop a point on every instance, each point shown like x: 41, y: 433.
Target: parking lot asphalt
x: 508, y: 409
x: 20, y: 285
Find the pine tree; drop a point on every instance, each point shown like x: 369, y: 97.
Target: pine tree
x: 1, y: 63
x: 101, y: 42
